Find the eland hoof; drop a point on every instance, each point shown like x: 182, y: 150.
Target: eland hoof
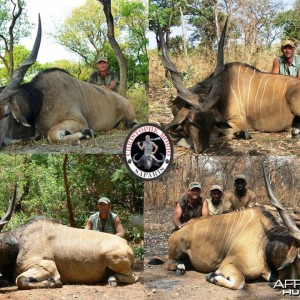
x: 134, y: 124
x: 296, y: 133
x: 87, y: 134
x: 211, y: 277
x: 245, y: 135
x: 112, y: 281
x: 180, y: 270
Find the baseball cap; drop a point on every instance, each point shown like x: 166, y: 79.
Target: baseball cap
x: 288, y: 43
x: 240, y: 176
x: 103, y: 58
x: 216, y: 187
x: 194, y: 185
x: 104, y: 200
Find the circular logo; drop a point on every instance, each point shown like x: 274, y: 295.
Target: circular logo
x: 148, y: 151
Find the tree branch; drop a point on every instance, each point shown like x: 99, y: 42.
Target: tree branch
x: 67, y: 189
x: 114, y: 44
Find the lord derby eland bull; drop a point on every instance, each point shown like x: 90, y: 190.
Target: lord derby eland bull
x: 238, y: 246
x: 43, y: 253
x: 56, y: 104
x: 236, y: 99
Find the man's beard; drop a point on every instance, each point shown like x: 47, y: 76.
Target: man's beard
x: 241, y: 191
x: 215, y: 202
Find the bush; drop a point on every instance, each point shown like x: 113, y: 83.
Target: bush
x: 139, y: 251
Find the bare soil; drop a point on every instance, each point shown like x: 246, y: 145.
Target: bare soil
x: 262, y: 143
x: 104, y: 143
x: 162, y: 284
x: 81, y: 292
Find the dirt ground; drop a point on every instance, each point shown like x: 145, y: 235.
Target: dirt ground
x: 161, y: 284
x: 104, y: 143
x: 81, y: 292
x: 262, y: 143
x: 112, y: 142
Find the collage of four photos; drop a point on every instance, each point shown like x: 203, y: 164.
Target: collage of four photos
x: 149, y: 149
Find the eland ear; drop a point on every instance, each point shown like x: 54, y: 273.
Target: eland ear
x: 220, y: 121
x: 17, y: 113
x: 290, y: 257
x: 223, y: 125
x: 179, y: 118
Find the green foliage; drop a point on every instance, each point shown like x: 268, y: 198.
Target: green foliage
x: 78, y: 71
x: 22, y: 26
x: 137, y: 69
x: 289, y: 21
x: 134, y: 228
x: 85, y: 33
x: 135, y: 23
x: 250, y: 22
x: 202, y: 18
x: 18, y: 219
x: 138, y: 251
x: 169, y: 14
x: 90, y: 177
x: 134, y: 234
x: 13, y: 26
x: 20, y: 53
x: 200, y: 15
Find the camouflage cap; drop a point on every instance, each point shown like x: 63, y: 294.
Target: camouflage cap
x: 194, y: 185
x: 103, y: 58
x: 104, y: 200
x: 240, y: 176
x: 216, y: 187
x: 288, y: 43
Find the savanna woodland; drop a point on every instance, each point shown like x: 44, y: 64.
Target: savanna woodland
x: 87, y: 34
x: 192, y: 30
x: 67, y: 188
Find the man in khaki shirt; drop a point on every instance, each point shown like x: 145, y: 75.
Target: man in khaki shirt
x: 240, y: 196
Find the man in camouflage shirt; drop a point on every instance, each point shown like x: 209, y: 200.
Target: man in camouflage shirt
x: 189, y: 206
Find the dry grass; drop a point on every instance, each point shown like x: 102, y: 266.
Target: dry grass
x: 194, y: 69
x: 110, y: 142
x: 198, y: 66
x: 138, y: 98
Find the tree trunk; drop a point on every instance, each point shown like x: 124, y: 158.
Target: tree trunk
x: 67, y: 189
x: 184, y: 35
x: 9, y: 45
x: 217, y: 22
x: 168, y: 33
x: 114, y: 44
